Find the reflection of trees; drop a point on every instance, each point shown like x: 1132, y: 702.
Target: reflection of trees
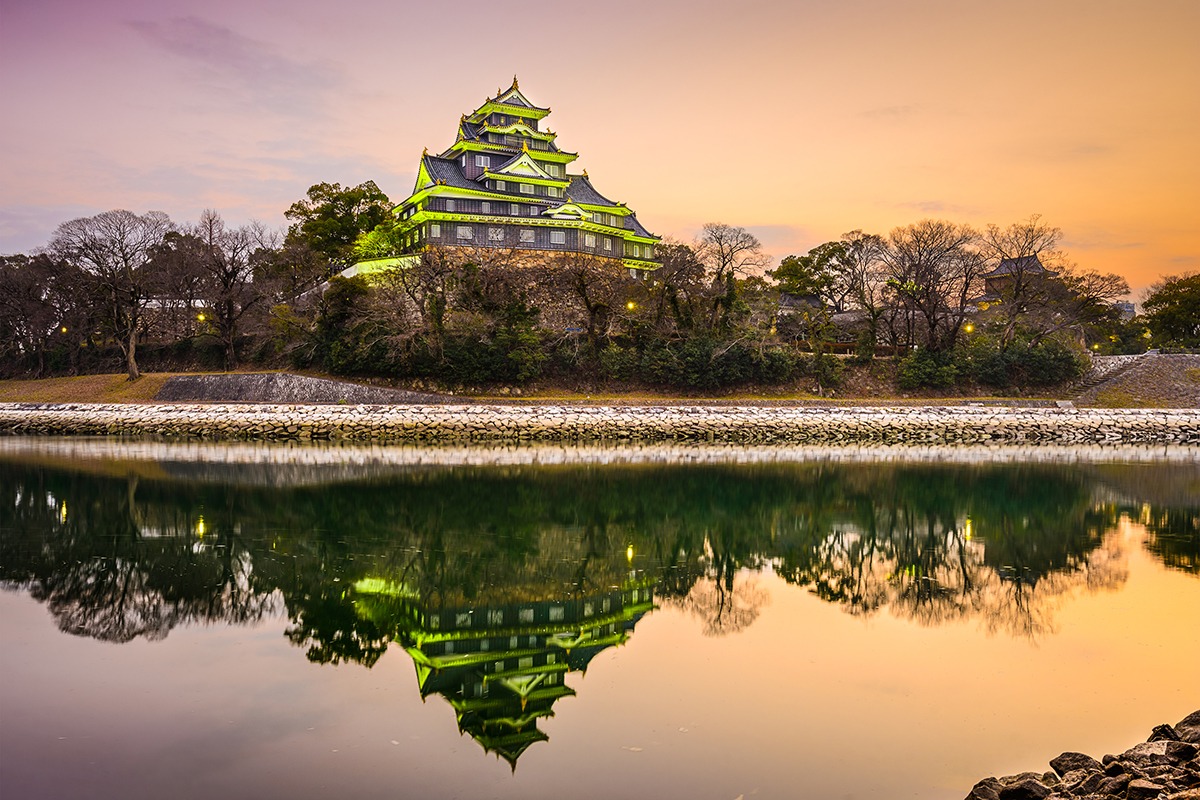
x: 723, y: 603
x: 935, y: 545
x: 118, y: 558
x: 94, y: 554
x: 1174, y: 537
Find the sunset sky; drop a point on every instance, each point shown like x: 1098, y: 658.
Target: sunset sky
x: 798, y: 120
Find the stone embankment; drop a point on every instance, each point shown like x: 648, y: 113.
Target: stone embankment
x: 1166, y: 767
x: 744, y: 424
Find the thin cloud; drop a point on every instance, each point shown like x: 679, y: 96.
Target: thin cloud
x: 892, y: 112
x: 260, y: 75
x: 937, y: 207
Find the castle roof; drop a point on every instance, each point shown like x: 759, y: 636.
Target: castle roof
x: 581, y: 190
x: 1013, y: 266
x: 448, y: 171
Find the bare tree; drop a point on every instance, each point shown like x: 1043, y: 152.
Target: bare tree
x: 597, y: 286
x: 728, y: 252
x: 113, y: 249
x: 865, y: 273
x: 934, y: 268
x: 1027, y: 253
x: 226, y: 259
x: 40, y: 302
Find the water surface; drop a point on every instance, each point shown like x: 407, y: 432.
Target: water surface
x: 251, y: 621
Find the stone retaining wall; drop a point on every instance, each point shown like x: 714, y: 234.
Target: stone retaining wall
x: 745, y: 424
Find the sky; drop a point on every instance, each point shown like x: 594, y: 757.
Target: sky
x: 797, y: 120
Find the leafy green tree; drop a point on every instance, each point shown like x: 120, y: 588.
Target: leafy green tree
x: 821, y: 272
x: 331, y: 218
x: 1172, y: 310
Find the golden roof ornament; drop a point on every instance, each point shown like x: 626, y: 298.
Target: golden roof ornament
x: 515, y: 84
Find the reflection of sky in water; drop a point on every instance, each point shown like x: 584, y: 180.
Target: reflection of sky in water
x: 821, y: 630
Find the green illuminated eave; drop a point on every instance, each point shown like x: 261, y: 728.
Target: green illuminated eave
x: 425, y: 636
x: 637, y: 238
x: 624, y: 234
x: 439, y: 189
x: 492, y: 107
x: 517, y: 129
x: 617, y: 210
x: 457, y: 660
x: 536, y: 181
x: 465, y: 146
x: 645, y: 266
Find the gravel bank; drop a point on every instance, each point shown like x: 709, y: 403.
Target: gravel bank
x: 744, y: 424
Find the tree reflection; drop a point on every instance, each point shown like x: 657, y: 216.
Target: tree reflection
x: 356, y: 566
x: 1174, y: 537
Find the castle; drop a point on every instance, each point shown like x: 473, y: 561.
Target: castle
x: 504, y: 184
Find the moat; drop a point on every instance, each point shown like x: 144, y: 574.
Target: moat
x: 253, y: 620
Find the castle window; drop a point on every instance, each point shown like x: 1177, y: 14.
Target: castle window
x: 608, y: 244
x: 526, y: 188
x: 435, y: 231
x: 483, y: 161
x: 649, y: 252
x: 527, y: 236
x: 554, y: 191
x: 449, y: 205
x: 487, y: 207
x: 495, y: 234
x: 514, y: 209
x: 533, y: 212
x: 554, y: 169
x: 637, y: 251
x: 558, y: 237
x: 499, y: 186
x: 466, y: 232
x: 589, y: 240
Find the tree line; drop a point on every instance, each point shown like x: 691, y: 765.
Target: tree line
x: 716, y: 314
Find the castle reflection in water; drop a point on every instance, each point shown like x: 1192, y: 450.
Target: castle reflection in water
x: 500, y: 582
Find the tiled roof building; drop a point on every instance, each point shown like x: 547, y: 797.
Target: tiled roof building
x: 504, y: 183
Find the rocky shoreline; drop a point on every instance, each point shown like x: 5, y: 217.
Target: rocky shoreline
x: 547, y: 423
x: 1165, y: 767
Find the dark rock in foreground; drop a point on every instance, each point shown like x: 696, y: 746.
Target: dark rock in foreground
x: 279, y: 387
x: 1167, y: 767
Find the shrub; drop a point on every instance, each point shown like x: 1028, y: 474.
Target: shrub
x: 619, y: 363
x: 922, y: 368
x: 1045, y: 363
x: 864, y: 346
x: 825, y: 369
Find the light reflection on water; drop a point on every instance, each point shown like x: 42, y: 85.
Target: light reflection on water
x: 373, y: 621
